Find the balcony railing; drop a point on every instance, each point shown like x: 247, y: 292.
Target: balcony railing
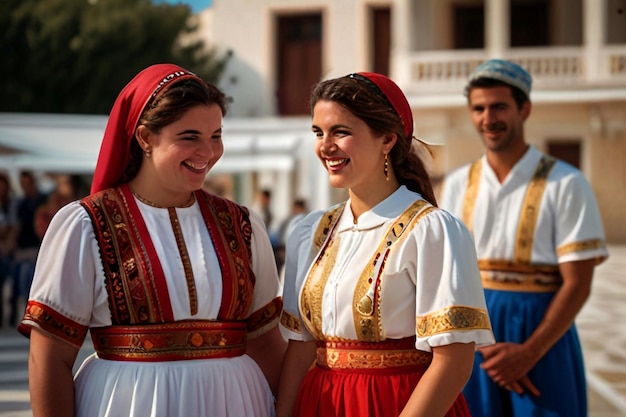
x: 552, y: 68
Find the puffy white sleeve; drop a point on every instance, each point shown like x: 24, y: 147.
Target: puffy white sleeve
x: 450, y: 303
x: 299, y: 256
x: 68, y: 284
x: 579, y: 229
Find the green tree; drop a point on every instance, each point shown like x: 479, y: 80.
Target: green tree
x: 74, y: 56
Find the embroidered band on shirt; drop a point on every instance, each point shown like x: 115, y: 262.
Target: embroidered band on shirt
x: 452, y: 319
x: 184, y: 340
x: 268, y: 314
x: 290, y: 322
x: 391, y: 353
x: 505, y: 275
x: 51, y: 321
x: 585, y: 245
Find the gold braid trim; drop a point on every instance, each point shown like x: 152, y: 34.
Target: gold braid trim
x: 585, y: 245
x: 452, y: 318
x: 506, y: 275
x: 530, y: 210
x: 290, y: 322
x: 184, y: 257
x: 313, y: 287
x: 469, y: 201
x: 389, y: 353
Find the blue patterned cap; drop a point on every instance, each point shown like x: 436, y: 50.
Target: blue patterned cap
x: 506, y: 71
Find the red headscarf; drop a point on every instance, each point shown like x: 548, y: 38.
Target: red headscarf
x: 396, y: 97
x: 123, y: 119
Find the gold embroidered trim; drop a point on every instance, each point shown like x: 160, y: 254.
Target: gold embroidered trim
x: 366, y: 311
x: 290, y: 322
x: 326, y: 224
x: 505, y: 275
x: 523, y: 284
x: 450, y: 319
x: 530, y: 210
x: 585, y: 245
x: 366, y: 299
x: 314, y: 288
x: 364, y: 359
x: 522, y: 268
x: 390, y: 353
x: 184, y: 257
x: 469, y: 201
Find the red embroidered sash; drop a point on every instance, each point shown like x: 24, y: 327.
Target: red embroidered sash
x: 183, y: 340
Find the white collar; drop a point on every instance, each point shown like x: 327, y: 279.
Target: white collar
x: 389, y: 208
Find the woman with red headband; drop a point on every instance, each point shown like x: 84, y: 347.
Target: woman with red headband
x: 177, y: 287
x: 382, y: 292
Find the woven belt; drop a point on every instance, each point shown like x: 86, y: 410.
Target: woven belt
x: 182, y: 340
x: 509, y: 276
x: 390, y: 353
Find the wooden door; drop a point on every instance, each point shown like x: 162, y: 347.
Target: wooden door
x: 299, y: 61
x: 381, y: 44
x: 565, y: 150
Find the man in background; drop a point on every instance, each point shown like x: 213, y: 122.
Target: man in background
x: 538, y: 235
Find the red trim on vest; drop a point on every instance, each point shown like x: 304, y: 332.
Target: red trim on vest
x: 142, y: 238
x: 128, y: 266
x: 231, y: 234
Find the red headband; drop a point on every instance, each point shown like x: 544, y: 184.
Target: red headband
x: 123, y: 119
x: 396, y: 97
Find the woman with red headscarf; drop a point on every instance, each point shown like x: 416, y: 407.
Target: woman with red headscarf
x: 177, y: 287
x: 382, y: 292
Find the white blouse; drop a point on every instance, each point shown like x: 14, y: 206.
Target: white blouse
x: 430, y: 271
x: 568, y: 227
x: 69, y: 276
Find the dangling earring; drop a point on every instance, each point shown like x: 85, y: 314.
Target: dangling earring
x: 386, y: 168
x: 148, y: 152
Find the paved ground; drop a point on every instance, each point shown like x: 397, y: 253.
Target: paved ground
x: 602, y: 328
x: 601, y: 324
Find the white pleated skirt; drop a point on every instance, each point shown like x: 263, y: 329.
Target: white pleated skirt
x: 222, y: 387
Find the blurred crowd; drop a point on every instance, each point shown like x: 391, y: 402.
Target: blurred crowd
x: 24, y: 217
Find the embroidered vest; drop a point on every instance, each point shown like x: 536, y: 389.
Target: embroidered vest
x: 135, y: 281
x: 366, y: 311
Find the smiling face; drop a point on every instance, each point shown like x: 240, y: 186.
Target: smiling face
x: 350, y: 151
x: 181, y: 154
x: 498, y: 119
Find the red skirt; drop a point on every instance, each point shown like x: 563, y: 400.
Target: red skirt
x: 365, y: 380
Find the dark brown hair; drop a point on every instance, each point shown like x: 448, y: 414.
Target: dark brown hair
x: 372, y: 106
x: 167, y: 108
